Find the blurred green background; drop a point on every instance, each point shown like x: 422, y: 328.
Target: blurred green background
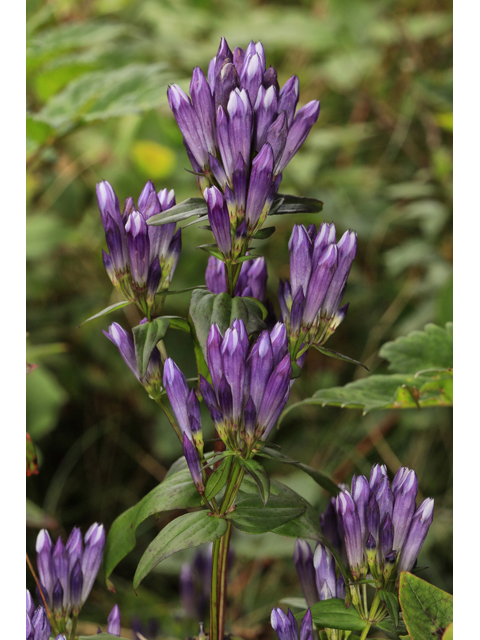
x: 379, y: 157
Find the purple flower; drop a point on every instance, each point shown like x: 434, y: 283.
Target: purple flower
x: 38, y: 626
x: 124, y: 343
x: 219, y: 219
x: 141, y: 259
x: 347, y: 510
x: 286, y: 626
x: 252, y: 281
x: 319, y: 269
x: 303, y: 559
x: 193, y: 461
x: 113, y: 621
x: 92, y: 557
x: 420, y: 524
x: 236, y: 115
x: 250, y: 384
x: 325, y: 576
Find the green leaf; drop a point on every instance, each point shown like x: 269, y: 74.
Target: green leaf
x: 334, y: 615
x: 189, y: 530
x: 427, y: 610
x: 106, y: 94
x: 252, y: 516
x: 339, y: 356
x: 99, y: 636
x: 448, y: 635
x: 146, y: 336
x: 431, y: 349
x: 391, y: 602
x: 177, y: 491
x: 176, y: 322
x: 321, y: 479
x: 396, y: 391
x: 186, y: 209
x: 259, y: 475
x: 212, y: 249
x: 296, y: 204
x: 298, y: 603
x: 207, y: 308
x: 387, y: 625
x: 106, y: 311
x: 264, y: 233
x: 218, y: 479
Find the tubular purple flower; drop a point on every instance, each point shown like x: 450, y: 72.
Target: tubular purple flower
x: 177, y: 392
x: 41, y: 625
x: 92, y: 557
x: 253, y: 274
x: 219, y: 219
x: 233, y: 356
x: 270, y: 79
x: 30, y: 604
x: 60, y: 568
x: 284, y: 624
x: 138, y: 248
x: 326, y: 235
x: 385, y: 539
x: 306, y: 628
x: 324, y: 571
x: 404, y: 507
x: 329, y: 521
x: 57, y: 598
x: 373, y: 517
x: 108, y: 203
x: 265, y: 111
x: 191, y: 455
x: 377, y: 473
x: 153, y: 280
x: 288, y: 98
x: 226, y: 82
x: 252, y: 75
x: 215, y: 275
x: 114, y: 235
x: 276, y: 389
x: 384, y: 498
x: 296, y: 314
x: 361, y: 494
x: 239, y: 183
x: 277, y: 138
x: 148, y: 202
x: 260, y: 182
x: 303, y: 559
x: 214, y: 358
x: 417, y: 533
x: 278, y: 338
x: 298, y: 131
x: 44, y: 548
x: 319, y: 283
x: 353, y: 533
x: 300, y: 248
x: 347, y: 249
x: 124, y: 343
x: 341, y: 591
x: 114, y: 626
x: 260, y: 363
x: 239, y: 124
x: 204, y: 107
x: 189, y: 124
x: 76, y: 587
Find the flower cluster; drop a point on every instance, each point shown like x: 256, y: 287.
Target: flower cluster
x: 286, y: 626
x: 67, y: 572
x: 141, y: 259
x: 252, y: 281
x: 152, y: 380
x: 319, y: 268
x: 240, y: 131
x: 250, y: 386
x: 38, y: 626
x: 382, y: 528
x: 317, y: 573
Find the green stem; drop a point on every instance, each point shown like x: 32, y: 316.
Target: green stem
x: 365, y: 631
x: 74, y: 627
x: 371, y: 616
x: 222, y: 585
x: 214, y: 593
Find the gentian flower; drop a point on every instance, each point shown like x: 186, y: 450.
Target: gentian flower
x: 67, y: 572
x: 38, y: 626
x: 152, y: 380
x: 319, y: 268
x: 382, y: 529
x: 286, y: 626
x: 113, y: 621
x: 252, y: 281
x: 317, y: 573
x: 141, y: 259
x: 240, y: 130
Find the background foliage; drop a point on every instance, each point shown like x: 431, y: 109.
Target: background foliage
x: 379, y: 157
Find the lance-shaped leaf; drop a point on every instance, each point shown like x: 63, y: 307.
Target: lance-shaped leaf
x: 252, y: 516
x: 320, y: 478
x: 295, y: 204
x: 189, y: 530
x: 264, y: 233
x: 182, y: 211
x: 218, y: 479
x: 333, y: 614
x: 391, y: 602
x: 259, y: 476
x: 211, y: 308
x: 177, y: 491
x: 106, y: 311
x: 146, y: 336
x: 427, y: 610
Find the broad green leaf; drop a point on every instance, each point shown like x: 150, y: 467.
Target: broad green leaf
x: 106, y: 311
x: 252, y: 516
x: 396, y: 391
x: 427, y: 610
x: 177, y: 491
x: 207, y: 308
x: 218, y: 479
x: 146, y: 336
x: 296, y: 204
x: 106, y: 94
x: 189, y: 530
x: 321, y: 479
x: 334, y: 615
x: 431, y: 349
x: 259, y: 476
x: 391, y: 602
x: 448, y: 635
x: 387, y: 625
x: 182, y: 211
x: 339, y: 356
